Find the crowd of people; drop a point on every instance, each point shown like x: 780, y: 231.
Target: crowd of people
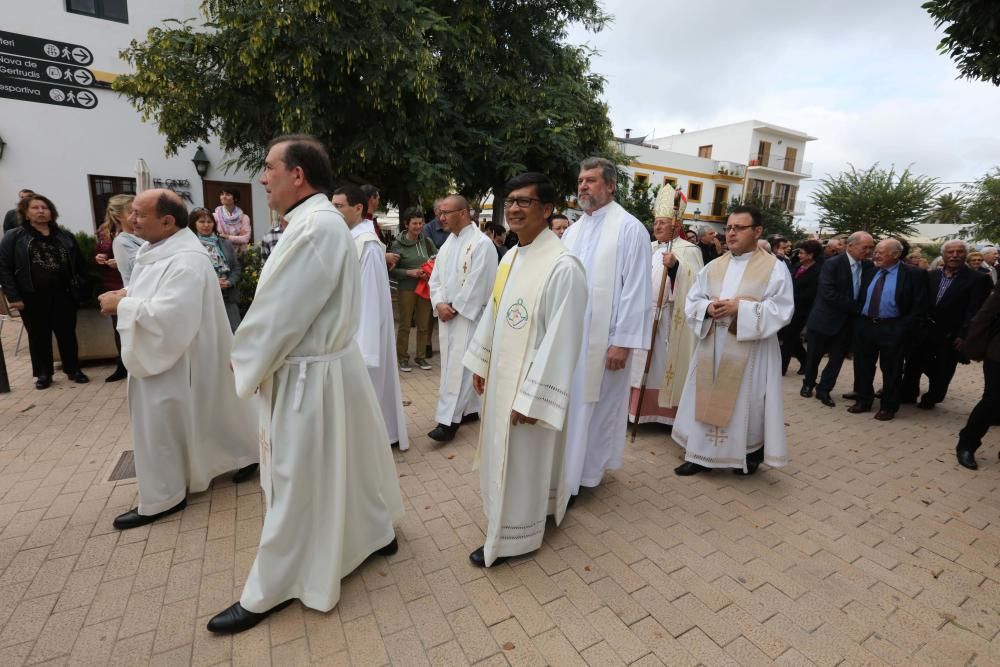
x: 552, y: 335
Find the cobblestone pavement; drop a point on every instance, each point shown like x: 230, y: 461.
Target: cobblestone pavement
x: 872, y: 547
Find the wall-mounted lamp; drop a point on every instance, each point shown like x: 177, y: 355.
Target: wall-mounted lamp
x: 201, y: 162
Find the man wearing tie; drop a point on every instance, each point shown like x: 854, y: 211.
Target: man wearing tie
x: 831, y: 320
x: 894, y: 305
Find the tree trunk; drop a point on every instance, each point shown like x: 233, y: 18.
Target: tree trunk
x: 498, y: 195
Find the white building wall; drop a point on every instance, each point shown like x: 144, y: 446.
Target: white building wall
x: 53, y: 149
x: 729, y: 142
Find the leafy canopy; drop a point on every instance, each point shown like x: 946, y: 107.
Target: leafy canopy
x: 416, y: 96
x: 982, y: 206
x: 972, y: 36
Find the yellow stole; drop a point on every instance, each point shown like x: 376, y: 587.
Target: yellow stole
x: 717, y: 390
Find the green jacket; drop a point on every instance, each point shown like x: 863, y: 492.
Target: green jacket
x: 412, y: 255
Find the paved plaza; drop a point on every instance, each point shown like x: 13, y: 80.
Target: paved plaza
x: 872, y: 547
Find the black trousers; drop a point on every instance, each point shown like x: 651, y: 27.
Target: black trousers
x: 883, y: 342
x: 118, y: 341
x: 817, y: 345
x: 937, y: 359
x: 46, y: 313
x: 790, y: 340
x: 984, y: 414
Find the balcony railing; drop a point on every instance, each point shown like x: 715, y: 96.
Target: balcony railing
x: 781, y: 163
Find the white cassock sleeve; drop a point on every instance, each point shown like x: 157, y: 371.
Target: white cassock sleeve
x: 284, y: 307
x: 762, y: 319
x: 473, y: 295
x: 436, y: 281
x: 368, y: 337
x: 633, y: 323
x: 156, y: 331
x: 477, y: 357
x: 544, y: 394
x: 696, y: 308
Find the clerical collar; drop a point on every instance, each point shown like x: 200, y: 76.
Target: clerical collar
x: 304, y: 199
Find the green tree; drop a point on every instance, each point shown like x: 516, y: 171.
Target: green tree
x: 972, y: 36
x: 637, y: 197
x: 776, y: 219
x: 982, y: 209
x: 948, y: 209
x: 878, y: 201
x: 417, y: 96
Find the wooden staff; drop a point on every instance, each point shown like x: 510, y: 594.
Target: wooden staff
x: 656, y: 326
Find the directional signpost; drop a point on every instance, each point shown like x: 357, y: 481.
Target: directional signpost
x: 46, y: 71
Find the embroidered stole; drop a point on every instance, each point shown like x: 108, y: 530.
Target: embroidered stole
x: 717, y: 391
x: 602, y: 277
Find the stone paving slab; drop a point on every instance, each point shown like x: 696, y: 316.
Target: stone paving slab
x: 872, y: 547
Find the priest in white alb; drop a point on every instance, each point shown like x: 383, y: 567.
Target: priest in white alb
x: 376, y: 331
x: 522, y: 356
x: 188, y: 425
x: 732, y: 412
x: 460, y: 287
x: 331, y: 492
x: 614, y: 249
x: 675, y: 264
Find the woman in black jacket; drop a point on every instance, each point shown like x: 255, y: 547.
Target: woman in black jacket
x: 42, y: 274
x: 805, y: 282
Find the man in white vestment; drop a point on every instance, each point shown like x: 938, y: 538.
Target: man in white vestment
x: 732, y: 411
x: 376, y: 333
x: 331, y: 492
x: 614, y: 249
x: 671, y: 352
x: 188, y: 426
x: 460, y: 288
x: 522, y: 355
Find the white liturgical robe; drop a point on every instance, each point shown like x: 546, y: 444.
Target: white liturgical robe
x: 330, y: 484
x: 526, y: 346
x: 376, y: 332
x: 187, y: 423
x: 614, y: 249
x: 462, y: 277
x: 758, y: 418
x: 672, y: 330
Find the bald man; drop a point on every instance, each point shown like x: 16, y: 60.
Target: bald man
x: 188, y: 425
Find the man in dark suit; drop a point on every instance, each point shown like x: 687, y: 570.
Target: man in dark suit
x: 831, y: 321
x: 955, y: 294
x: 983, y: 342
x: 894, y: 305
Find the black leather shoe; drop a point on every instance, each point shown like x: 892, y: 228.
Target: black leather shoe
x: 120, y: 374
x: 806, y: 391
x: 43, y: 382
x: 132, y: 518
x: 237, y: 619
x: 967, y: 459
x: 824, y: 397
x: 78, y: 377
x: 245, y: 473
x: 572, y: 501
x: 885, y: 415
x: 470, y: 418
x: 478, y: 558
x: 442, y: 433
x: 689, y: 468
x: 751, y: 469
x: 858, y: 408
x: 851, y: 396
x: 388, y: 549
x: 926, y: 403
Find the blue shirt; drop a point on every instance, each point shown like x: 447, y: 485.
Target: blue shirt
x: 887, y: 305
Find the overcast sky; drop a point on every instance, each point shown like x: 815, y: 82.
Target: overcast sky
x: 864, y: 76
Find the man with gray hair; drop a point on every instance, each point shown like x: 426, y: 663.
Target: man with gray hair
x: 831, y: 320
x: 614, y: 249
x: 894, y: 306
x: 956, y: 291
x: 708, y: 241
x: 989, y: 262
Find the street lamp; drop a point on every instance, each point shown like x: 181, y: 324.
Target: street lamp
x: 201, y: 162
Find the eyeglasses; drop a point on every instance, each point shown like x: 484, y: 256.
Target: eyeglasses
x: 443, y: 212
x: 522, y: 202
x: 738, y: 228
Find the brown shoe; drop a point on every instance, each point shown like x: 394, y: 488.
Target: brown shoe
x: 884, y: 415
x: 858, y: 408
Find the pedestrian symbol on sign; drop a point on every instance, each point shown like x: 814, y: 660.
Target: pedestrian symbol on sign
x: 51, y: 50
x: 57, y: 95
x: 65, y: 53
